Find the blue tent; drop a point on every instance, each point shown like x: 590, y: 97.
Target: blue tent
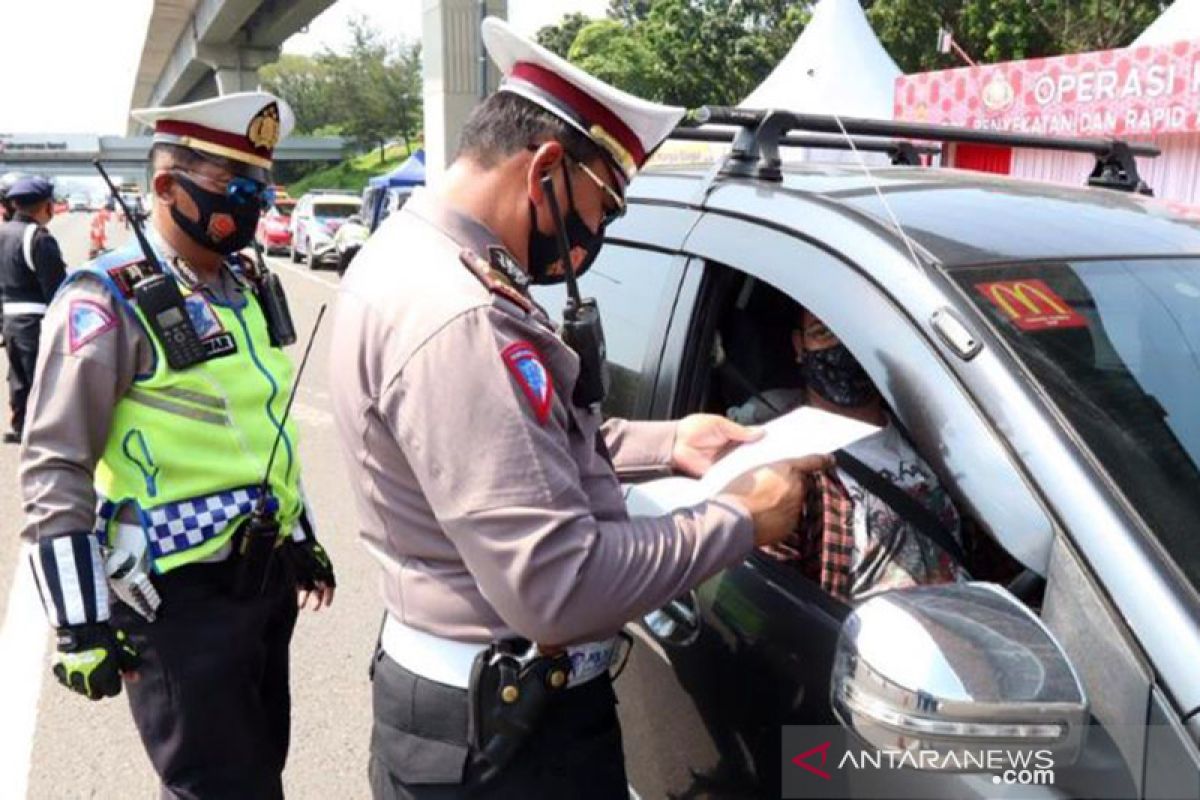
x: 410, y: 173
x: 400, y: 181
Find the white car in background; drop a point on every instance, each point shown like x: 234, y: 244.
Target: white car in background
x: 315, y: 221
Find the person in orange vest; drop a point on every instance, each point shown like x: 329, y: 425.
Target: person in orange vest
x: 99, y: 232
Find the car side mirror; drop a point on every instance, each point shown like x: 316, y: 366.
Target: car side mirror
x: 354, y: 219
x: 960, y: 669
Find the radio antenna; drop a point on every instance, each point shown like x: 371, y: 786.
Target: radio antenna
x: 287, y: 410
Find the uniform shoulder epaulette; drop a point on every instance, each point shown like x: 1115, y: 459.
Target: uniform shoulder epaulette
x: 494, y: 280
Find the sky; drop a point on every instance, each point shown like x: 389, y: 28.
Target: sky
x: 78, y: 77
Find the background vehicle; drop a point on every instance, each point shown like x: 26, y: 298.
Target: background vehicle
x: 380, y: 202
x: 274, y: 232
x: 1063, y: 420
x: 349, y: 240
x: 78, y: 202
x: 315, y: 220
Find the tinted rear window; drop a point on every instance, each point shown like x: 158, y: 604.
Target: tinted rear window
x: 1116, y: 347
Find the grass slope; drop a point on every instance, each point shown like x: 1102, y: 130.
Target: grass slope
x: 352, y: 174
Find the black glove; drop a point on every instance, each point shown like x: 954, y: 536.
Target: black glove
x: 310, y: 564
x: 91, y: 658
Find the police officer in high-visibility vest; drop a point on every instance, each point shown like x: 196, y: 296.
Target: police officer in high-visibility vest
x: 31, y: 270
x: 484, y: 471
x: 167, y: 546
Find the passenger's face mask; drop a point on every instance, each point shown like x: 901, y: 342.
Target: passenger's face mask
x: 226, y: 221
x: 543, y: 247
x: 834, y: 374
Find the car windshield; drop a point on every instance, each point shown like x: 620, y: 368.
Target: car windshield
x: 334, y: 210
x: 1116, y: 347
x: 284, y: 207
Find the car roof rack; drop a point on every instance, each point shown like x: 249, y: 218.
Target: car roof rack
x: 761, y: 132
x: 901, y: 152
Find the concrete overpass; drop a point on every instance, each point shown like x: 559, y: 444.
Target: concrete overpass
x: 72, y: 154
x: 196, y: 49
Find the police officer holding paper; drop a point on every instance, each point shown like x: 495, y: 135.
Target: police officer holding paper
x: 486, y: 478
x: 161, y: 392
x: 31, y: 269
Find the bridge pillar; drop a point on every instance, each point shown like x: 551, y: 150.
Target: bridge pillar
x: 236, y: 67
x: 451, y: 52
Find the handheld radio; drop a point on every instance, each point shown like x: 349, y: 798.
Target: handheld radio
x: 158, y: 296
x: 269, y: 291
x: 582, y: 330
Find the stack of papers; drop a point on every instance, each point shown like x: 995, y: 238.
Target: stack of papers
x: 798, y: 433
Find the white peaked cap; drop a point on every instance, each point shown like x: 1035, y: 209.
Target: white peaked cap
x: 244, y: 127
x: 626, y: 128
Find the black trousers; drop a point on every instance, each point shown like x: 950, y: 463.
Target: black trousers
x: 21, y: 336
x: 212, y: 704
x: 419, y: 745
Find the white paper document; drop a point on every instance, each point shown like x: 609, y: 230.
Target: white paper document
x: 798, y: 433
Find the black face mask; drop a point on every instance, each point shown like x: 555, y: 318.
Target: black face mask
x: 543, y: 247
x: 835, y: 375
x: 225, y: 226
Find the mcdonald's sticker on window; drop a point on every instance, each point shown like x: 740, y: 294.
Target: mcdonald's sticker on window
x: 1031, y: 305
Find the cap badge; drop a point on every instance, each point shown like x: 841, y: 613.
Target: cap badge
x: 264, y: 128
x: 615, y: 148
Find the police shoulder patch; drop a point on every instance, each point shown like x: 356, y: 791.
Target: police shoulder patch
x: 525, y: 364
x: 87, y: 320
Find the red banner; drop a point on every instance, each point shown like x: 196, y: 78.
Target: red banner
x: 1131, y: 92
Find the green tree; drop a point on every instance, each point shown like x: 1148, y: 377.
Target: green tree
x: 559, y: 38
x: 1004, y: 30
x: 617, y: 55
x: 305, y: 83
x: 376, y: 87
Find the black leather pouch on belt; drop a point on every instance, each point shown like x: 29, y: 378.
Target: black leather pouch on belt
x: 509, y: 689
x: 254, y: 549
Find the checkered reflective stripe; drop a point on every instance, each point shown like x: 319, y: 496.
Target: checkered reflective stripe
x: 174, y: 527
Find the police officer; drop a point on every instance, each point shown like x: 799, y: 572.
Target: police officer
x: 487, y: 484
x: 7, y: 209
x: 31, y: 269
x: 162, y: 387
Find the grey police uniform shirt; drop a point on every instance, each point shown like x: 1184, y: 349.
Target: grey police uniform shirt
x: 491, y: 519
x: 71, y: 404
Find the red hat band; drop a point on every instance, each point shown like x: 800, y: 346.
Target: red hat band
x: 210, y: 140
x: 594, y: 114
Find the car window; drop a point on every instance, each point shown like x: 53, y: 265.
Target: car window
x: 1116, y: 347
x: 334, y: 210
x: 942, y: 421
x: 631, y: 286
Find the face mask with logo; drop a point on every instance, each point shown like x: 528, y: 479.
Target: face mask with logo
x: 543, y: 247
x: 226, y: 223
x: 834, y: 374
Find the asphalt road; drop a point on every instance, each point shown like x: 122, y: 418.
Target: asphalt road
x: 70, y: 747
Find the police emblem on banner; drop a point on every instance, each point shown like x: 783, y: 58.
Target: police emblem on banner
x: 525, y: 364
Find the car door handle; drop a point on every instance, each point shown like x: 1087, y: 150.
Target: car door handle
x: 677, y: 623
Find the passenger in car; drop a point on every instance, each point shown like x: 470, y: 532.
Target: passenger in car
x: 888, y: 548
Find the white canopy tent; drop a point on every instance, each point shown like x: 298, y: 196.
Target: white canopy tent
x: 837, y: 65
x: 1178, y: 23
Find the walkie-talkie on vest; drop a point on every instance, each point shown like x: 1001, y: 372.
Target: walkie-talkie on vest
x: 582, y: 330
x: 158, y: 296
x: 258, y: 537
x: 269, y: 291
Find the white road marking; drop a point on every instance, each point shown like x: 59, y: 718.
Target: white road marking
x: 307, y: 274
x: 22, y: 669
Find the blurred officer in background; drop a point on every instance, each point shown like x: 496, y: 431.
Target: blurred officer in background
x: 31, y: 270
